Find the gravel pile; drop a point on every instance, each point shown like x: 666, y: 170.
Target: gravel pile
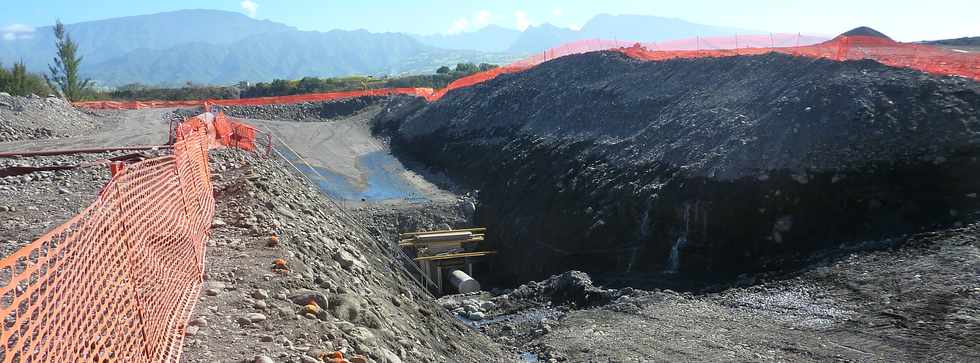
x: 29, y: 118
x: 308, y: 111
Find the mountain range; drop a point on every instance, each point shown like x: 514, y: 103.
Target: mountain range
x: 220, y: 47
x: 641, y: 28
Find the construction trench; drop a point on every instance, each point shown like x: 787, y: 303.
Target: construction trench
x: 795, y: 167
x: 593, y: 208
x: 733, y: 233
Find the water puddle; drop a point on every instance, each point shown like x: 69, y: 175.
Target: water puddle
x: 382, y: 174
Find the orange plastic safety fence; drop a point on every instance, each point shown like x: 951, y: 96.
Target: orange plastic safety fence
x: 312, y: 97
x: 118, y: 281
x: 922, y: 57
x: 222, y: 130
x: 925, y: 58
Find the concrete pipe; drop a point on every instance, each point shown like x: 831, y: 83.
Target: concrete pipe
x: 463, y: 282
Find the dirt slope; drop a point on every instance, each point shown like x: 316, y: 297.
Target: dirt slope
x: 370, y: 304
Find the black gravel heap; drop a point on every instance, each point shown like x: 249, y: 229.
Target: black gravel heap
x: 603, y: 163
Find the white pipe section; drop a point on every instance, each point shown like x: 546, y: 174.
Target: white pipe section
x: 463, y: 282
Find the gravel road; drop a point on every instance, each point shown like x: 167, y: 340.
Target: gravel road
x: 114, y: 128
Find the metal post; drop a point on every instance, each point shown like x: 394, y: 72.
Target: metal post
x: 116, y: 168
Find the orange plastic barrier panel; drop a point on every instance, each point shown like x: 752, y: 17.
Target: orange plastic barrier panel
x: 117, y: 282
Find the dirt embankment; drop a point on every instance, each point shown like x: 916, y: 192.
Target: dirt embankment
x: 370, y: 303
x: 307, y: 111
x: 612, y: 165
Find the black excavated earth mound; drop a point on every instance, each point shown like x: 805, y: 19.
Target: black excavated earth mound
x: 607, y: 164
x: 865, y: 31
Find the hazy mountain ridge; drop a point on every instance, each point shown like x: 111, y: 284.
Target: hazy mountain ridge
x: 106, y: 39
x: 291, y: 55
x: 492, y: 38
x: 220, y: 47
x: 641, y: 28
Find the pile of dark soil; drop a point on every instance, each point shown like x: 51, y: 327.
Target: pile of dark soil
x: 865, y: 31
x: 964, y: 41
x: 604, y: 163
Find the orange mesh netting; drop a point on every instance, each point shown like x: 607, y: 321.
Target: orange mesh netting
x: 922, y: 57
x: 118, y: 281
x: 311, y: 97
x: 225, y: 131
x: 925, y: 58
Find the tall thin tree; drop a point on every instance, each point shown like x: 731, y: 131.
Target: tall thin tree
x: 64, y: 77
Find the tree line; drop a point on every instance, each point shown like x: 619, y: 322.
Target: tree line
x: 443, y: 76
x: 18, y: 82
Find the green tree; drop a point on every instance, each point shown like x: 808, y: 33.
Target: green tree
x: 467, y: 68
x: 487, y: 66
x: 64, y: 73
x: 17, y: 81
x: 443, y: 70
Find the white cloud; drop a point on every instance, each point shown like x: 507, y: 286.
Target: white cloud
x: 557, y: 12
x: 459, y: 25
x: 522, y: 21
x: 481, y: 19
x: 16, y: 31
x: 250, y: 7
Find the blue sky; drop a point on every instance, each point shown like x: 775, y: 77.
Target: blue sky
x: 903, y: 20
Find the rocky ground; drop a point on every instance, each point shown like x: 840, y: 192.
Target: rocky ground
x: 28, y: 118
x: 917, y: 300
x: 40, y: 193
x: 34, y: 201
x: 367, y: 304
